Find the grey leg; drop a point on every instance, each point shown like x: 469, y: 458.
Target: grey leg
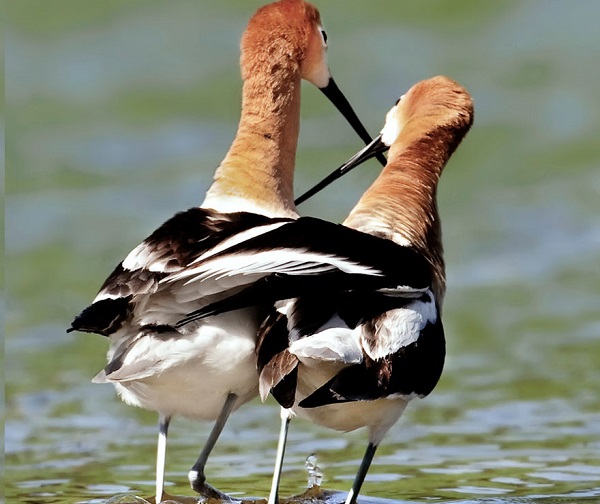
x: 362, y: 473
x: 161, y: 454
x: 286, y: 417
x: 196, y: 474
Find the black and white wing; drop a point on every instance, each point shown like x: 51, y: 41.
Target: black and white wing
x: 343, y: 296
x: 305, y: 256
x: 135, y: 292
x: 388, y: 346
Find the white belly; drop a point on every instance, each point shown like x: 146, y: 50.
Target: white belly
x: 377, y: 415
x: 192, y: 375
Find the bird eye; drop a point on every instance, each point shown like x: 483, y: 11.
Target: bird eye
x: 399, y: 100
x: 324, y: 35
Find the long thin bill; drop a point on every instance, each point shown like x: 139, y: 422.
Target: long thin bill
x: 375, y: 148
x: 335, y: 95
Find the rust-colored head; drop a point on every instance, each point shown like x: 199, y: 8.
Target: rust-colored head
x: 423, y: 128
x: 436, y: 110
x: 286, y: 36
x: 434, y: 106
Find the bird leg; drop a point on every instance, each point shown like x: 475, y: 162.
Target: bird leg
x: 161, y: 453
x: 196, y: 474
x: 286, y: 417
x: 362, y: 473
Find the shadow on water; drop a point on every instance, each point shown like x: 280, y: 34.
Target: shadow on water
x: 117, y: 115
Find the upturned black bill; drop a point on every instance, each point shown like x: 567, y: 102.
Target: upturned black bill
x: 375, y: 148
x: 335, y: 95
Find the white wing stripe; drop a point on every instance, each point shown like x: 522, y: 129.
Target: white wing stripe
x: 401, y: 327
x: 138, y: 258
x: 239, y: 238
x: 289, y: 261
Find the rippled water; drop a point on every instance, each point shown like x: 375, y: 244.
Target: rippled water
x: 117, y: 114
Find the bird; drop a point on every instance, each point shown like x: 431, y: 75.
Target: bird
x: 208, y: 369
x: 356, y: 332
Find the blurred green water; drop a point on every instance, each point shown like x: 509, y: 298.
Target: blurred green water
x: 117, y: 114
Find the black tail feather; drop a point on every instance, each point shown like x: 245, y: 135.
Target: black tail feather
x: 102, y: 317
